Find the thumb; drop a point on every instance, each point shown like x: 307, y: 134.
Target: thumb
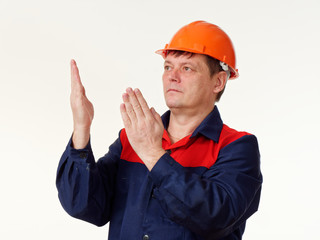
x: 156, y: 116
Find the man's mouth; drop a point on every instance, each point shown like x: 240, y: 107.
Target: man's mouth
x: 173, y: 90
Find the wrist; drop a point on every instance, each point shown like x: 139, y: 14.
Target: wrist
x: 80, y: 138
x: 151, y: 160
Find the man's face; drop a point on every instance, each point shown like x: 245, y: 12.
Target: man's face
x: 187, y: 83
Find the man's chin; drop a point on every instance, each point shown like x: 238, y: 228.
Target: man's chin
x: 172, y: 104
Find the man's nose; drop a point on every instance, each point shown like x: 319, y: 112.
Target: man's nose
x: 175, y: 75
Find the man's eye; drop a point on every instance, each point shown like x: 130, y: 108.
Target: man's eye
x: 187, y: 69
x: 167, y: 68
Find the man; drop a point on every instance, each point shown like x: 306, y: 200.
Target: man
x: 183, y: 176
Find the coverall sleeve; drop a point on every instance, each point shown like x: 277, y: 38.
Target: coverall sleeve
x: 86, y: 187
x: 217, y: 202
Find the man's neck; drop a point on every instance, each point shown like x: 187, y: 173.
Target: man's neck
x: 183, y: 123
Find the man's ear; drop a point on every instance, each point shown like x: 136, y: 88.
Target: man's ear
x: 220, y: 79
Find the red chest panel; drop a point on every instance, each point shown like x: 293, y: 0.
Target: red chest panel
x: 189, y: 152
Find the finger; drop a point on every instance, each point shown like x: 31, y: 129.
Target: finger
x: 76, y: 84
x: 129, y: 109
x: 143, y: 103
x: 124, y: 115
x: 73, y: 66
x: 135, y: 103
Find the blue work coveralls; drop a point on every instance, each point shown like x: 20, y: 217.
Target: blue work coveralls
x: 205, y: 187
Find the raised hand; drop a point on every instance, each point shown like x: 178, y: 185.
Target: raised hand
x: 82, y: 110
x: 143, y: 126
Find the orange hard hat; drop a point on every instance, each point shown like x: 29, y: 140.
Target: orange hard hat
x: 204, y: 38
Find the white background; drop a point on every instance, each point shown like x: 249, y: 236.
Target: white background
x: 276, y: 98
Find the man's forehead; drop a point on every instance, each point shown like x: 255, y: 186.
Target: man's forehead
x: 185, y: 57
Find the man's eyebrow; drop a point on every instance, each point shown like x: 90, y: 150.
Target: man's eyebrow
x: 190, y: 63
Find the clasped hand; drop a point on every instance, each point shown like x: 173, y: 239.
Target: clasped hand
x: 143, y: 126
